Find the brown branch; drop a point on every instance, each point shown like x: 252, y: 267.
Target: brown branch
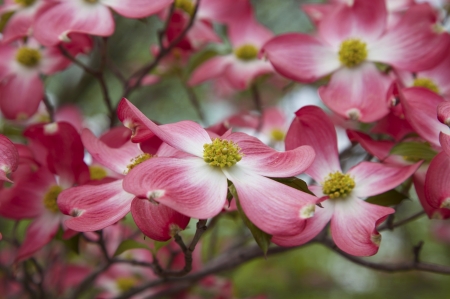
x: 49, y: 107
x: 401, y: 222
x: 194, y: 101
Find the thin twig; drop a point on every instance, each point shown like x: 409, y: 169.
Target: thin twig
x: 194, y: 101
x: 258, y: 105
x: 49, y: 107
x: 402, y: 222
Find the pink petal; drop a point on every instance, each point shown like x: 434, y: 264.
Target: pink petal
x: 358, y: 93
x: 313, y: 227
x: 245, y: 29
x: 317, y: 11
x: 20, y: 96
x: 94, y: 206
x: 443, y: 111
x: 436, y: 187
x: 301, y: 57
x: 137, y: 9
x: 273, y: 207
x: 412, y: 44
x: 444, y: 139
x: 440, y: 75
x: 64, y: 151
x: 71, y: 114
x: 375, y: 178
x: 157, y: 221
x: 186, y: 136
x: 364, y: 19
x: 57, y: 19
x: 353, y: 226
x: 313, y: 127
x: 263, y: 160
x: 377, y: 148
x: 189, y: 186
x: 394, y: 126
x: 116, y: 159
x: 201, y: 33
x: 212, y: 68
x: 9, y: 158
x: 241, y: 74
x: 223, y: 11
x: 116, y: 137
x: 40, y: 232
x: 420, y: 105
x: 18, y: 26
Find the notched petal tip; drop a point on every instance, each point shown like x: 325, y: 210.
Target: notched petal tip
x: 376, y: 239
x: 76, y: 212
x: 445, y: 203
x: 51, y: 128
x: 155, y: 194
x: 307, y: 211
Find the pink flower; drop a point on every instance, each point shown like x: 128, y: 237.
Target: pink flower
x: 21, y: 89
x: 9, y: 158
x: 353, y: 221
x: 100, y: 204
x: 349, y: 40
x: 58, y: 18
x: 242, y: 66
x: 195, y: 183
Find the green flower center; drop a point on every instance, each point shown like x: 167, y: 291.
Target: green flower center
x: 50, y: 198
x: 136, y: 161
x: 125, y: 283
x: 277, y: 135
x: 186, y: 6
x: 97, y: 172
x: 426, y: 83
x: 246, y: 52
x: 28, y: 57
x: 221, y: 153
x: 25, y: 2
x: 338, y: 185
x: 91, y: 1
x: 352, y: 52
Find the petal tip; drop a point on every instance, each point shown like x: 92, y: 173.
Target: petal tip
x: 307, y: 211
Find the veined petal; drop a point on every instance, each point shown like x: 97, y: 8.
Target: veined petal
x: 436, y: 187
x: 56, y: 20
x: 20, y: 96
x: 313, y: 127
x: 443, y: 111
x: 363, y: 19
x: 353, y: 226
x: 210, y: 69
x: 137, y: 8
x: 241, y: 74
x: 444, y: 139
x: 245, y: 29
x: 94, y: 206
x: 40, y: 232
x: 420, y: 105
x: 412, y: 44
x: 189, y: 186
x: 157, y: 221
x: 313, y: 227
x: 301, y: 57
x: 9, y: 158
x: 375, y: 178
x: 273, y: 207
x: 186, y: 136
x: 358, y: 93
x: 261, y: 159
x: 116, y: 159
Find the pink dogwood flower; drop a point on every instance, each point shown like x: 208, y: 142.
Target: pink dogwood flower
x: 100, y: 204
x: 353, y: 221
x: 195, y: 183
x: 9, y: 158
x: 242, y: 66
x: 58, y: 18
x: 350, y: 40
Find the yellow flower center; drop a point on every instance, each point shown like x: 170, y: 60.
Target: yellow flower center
x: 186, y: 6
x: 97, y: 172
x: 426, y: 83
x: 352, y: 52
x: 277, y: 135
x: 125, y: 283
x: 221, y: 153
x: 25, y: 2
x: 411, y: 159
x: 338, y: 185
x: 246, y: 52
x: 28, y: 57
x: 136, y: 161
x: 50, y: 198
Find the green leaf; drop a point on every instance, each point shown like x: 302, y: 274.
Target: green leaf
x: 4, y: 18
x: 127, y: 245
x: 295, y: 183
x: 388, y: 198
x: 414, y: 151
x: 261, y: 238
